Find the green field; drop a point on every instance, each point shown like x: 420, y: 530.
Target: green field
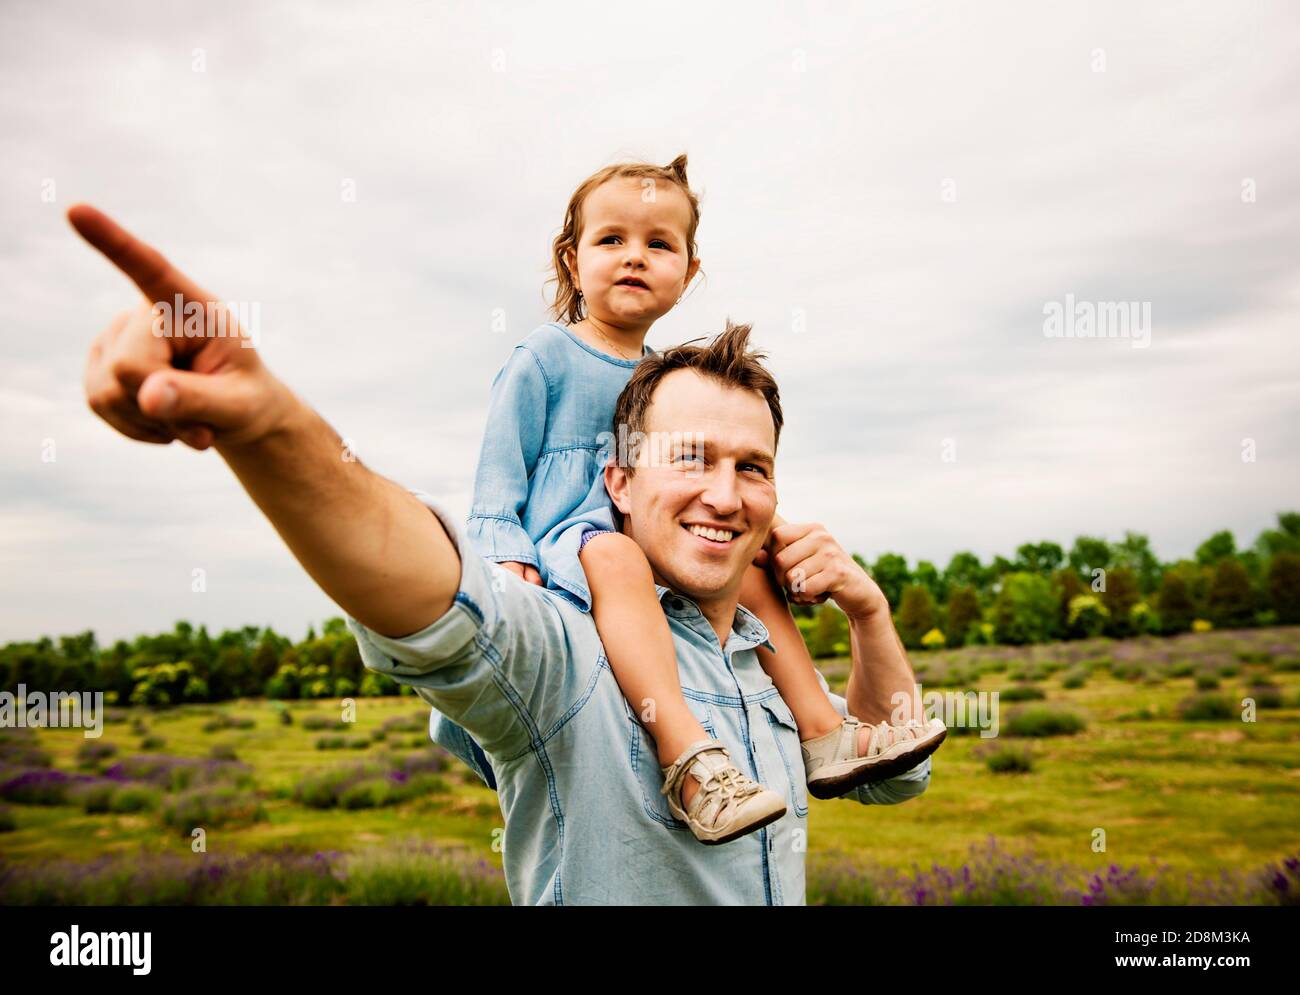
x: 1216, y: 798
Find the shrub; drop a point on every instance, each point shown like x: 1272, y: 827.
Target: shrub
x: 373, y: 785
x: 152, y: 743
x: 134, y: 798
x: 315, y: 722
x: 91, y: 752
x: 18, y: 749
x: 179, y: 773
x: 933, y: 640
x: 1265, y: 695
x: 1076, y: 677
x: 1023, y: 692
x: 224, y: 721
x: 223, y: 751
x: 1254, y: 656
x: 1086, y: 616
x: 1206, y: 682
x: 40, y: 786
x: 1010, y: 760
x: 94, y: 797
x: 1183, y: 668
x: 1206, y: 708
x: 1202, y: 625
x: 1025, y: 609
x: 208, y: 806
x: 1039, y: 721
x: 7, y: 821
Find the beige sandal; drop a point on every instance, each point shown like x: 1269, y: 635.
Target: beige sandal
x: 728, y: 804
x: 832, y: 765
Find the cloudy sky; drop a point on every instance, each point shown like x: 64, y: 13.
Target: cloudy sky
x: 891, y: 194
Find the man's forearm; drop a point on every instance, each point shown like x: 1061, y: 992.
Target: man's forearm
x: 370, y: 544
x: 880, y: 670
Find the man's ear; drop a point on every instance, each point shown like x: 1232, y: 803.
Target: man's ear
x: 616, y: 483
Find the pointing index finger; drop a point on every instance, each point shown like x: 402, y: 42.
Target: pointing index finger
x: 158, y: 279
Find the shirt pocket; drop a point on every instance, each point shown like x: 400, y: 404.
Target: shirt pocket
x: 785, y: 733
x: 644, y: 759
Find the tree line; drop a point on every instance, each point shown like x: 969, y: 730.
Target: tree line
x: 1097, y: 588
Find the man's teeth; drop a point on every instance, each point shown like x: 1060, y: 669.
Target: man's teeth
x: 717, y: 535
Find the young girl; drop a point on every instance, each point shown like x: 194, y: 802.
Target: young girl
x: 624, y: 257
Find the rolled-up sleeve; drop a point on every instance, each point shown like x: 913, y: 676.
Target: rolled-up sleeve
x: 495, y: 662
x: 907, y: 785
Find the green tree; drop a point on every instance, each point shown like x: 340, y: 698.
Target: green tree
x: 1218, y: 547
x: 1120, y: 596
x: 963, y: 612
x: 891, y: 574
x: 1089, y: 553
x: 1039, y: 557
x: 1175, y: 604
x: 916, y: 615
x: 965, y: 570
x: 1284, y: 587
x: 1135, y: 554
x: 1231, y: 601
x: 1067, y: 586
x: 830, y: 632
x: 1284, y: 539
x: 1025, y: 609
x: 927, y: 575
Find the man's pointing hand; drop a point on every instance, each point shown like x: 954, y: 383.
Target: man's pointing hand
x: 150, y: 380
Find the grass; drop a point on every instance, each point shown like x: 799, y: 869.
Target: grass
x: 1202, y: 796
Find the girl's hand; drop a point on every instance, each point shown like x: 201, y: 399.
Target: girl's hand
x: 525, y: 570
x: 762, y: 557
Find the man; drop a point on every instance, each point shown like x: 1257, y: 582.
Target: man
x: 520, y: 669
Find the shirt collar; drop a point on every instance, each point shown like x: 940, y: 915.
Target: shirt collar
x: 746, y: 624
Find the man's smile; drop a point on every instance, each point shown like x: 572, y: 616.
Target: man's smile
x: 716, y: 538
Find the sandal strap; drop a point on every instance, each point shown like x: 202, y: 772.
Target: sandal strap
x: 724, y: 784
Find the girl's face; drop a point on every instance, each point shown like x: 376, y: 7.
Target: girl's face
x: 630, y: 262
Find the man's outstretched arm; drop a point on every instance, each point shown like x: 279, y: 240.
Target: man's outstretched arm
x: 371, y: 545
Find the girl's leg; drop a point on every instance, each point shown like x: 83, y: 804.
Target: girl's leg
x: 639, y: 646
x: 791, y: 667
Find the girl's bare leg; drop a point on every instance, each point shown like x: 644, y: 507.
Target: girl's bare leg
x: 639, y: 645
x: 791, y: 667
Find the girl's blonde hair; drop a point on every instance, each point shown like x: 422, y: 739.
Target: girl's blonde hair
x: 568, y: 303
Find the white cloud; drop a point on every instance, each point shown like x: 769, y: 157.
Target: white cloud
x: 819, y: 136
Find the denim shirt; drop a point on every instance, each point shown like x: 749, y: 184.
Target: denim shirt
x: 539, y: 483
x: 522, y: 670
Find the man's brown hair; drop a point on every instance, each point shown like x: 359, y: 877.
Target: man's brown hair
x: 568, y: 303
x: 726, y: 359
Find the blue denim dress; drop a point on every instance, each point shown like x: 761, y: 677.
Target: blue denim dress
x: 540, y: 481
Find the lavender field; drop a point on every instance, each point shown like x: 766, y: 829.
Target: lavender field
x: 1146, y: 771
